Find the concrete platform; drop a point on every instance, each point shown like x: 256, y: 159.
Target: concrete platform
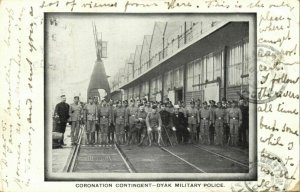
x: 60, y: 155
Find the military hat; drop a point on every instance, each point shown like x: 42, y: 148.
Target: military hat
x: 154, y: 106
x: 213, y: 102
x: 204, y: 103
x: 91, y: 97
x: 125, y: 101
x: 131, y: 100
x: 242, y: 98
x: 219, y: 102
x: 163, y: 104
x: 192, y: 102
x: 224, y: 99
x: 76, y: 97
x: 141, y: 104
x: 176, y: 106
x: 62, y: 95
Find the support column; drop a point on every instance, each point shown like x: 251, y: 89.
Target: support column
x: 225, y: 71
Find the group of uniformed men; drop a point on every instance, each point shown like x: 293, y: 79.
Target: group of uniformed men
x: 143, y: 122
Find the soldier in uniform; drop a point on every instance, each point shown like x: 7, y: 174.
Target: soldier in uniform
x: 245, y: 123
x: 153, y: 122
x: 111, y: 127
x: 234, y: 118
x: 218, y: 121
x: 193, y: 120
x: 75, y: 117
x: 131, y: 112
x: 126, y: 128
x: 179, y: 124
x: 120, y: 122
x: 61, y: 113
x: 140, y: 127
x: 90, y: 114
x: 198, y: 107
x: 97, y: 127
x: 212, y: 108
x: 105, y: 118
x: 205, y: 121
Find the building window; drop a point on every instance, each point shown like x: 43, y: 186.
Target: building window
x: 197, y: 73
x: 168, y: 82
x: 190, y: 76
x: 238, y: 63
x: 209, y: 67
x: 178, y: 77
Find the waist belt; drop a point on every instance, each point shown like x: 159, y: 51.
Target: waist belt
x: 204, y: 118
x: 220, y: 118
x: 234, y: 118
x: 121, y: 117
x: 191, y: 116
x: 91, y: 113
x: 132, y: 115
x: 103, y: 116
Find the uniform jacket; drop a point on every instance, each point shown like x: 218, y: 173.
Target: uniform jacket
x: 75, y: 112
x: 131, y: 112
x: 234, y: 113
x: 120, y: 115
x: 105, y: 115
x: 90, y: 112
x: 193, y: 116
x: 143, y: 116
x: 62, y: 110
x: 153, y: 120
x: 205, y: 113
x: 219, y: 113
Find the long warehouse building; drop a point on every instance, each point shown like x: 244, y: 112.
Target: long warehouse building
x: 186, y: 60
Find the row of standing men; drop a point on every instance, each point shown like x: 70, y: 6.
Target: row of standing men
x: 140, y: 122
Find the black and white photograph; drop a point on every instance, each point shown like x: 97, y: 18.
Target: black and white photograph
x: 150, y: 93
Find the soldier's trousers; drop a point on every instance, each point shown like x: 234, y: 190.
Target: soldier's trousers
x: 103, y: 132
x: 219, y: 130
x: 193, y: 128
x: 120, y: 129
x: 74, y: 131
x: 234, y: 128
x: 204, y: 131
x: 90, y: 126
x: 132, y: 132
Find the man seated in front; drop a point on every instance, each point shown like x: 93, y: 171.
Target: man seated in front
x: 153, y: 122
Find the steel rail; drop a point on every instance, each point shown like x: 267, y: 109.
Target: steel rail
x: 129, y: 166
x: 71, y: 165
x: 191, y: 164
x: 220, y: 155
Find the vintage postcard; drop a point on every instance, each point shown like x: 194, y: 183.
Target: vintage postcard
x: 136, y: 95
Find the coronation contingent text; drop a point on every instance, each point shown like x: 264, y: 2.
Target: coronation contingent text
x: 146, y: 185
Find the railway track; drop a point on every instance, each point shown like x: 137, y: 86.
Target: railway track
x: 223, y: 156
x: 155, y: 159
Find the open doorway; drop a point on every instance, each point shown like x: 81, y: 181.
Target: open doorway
x: 178, y: 95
